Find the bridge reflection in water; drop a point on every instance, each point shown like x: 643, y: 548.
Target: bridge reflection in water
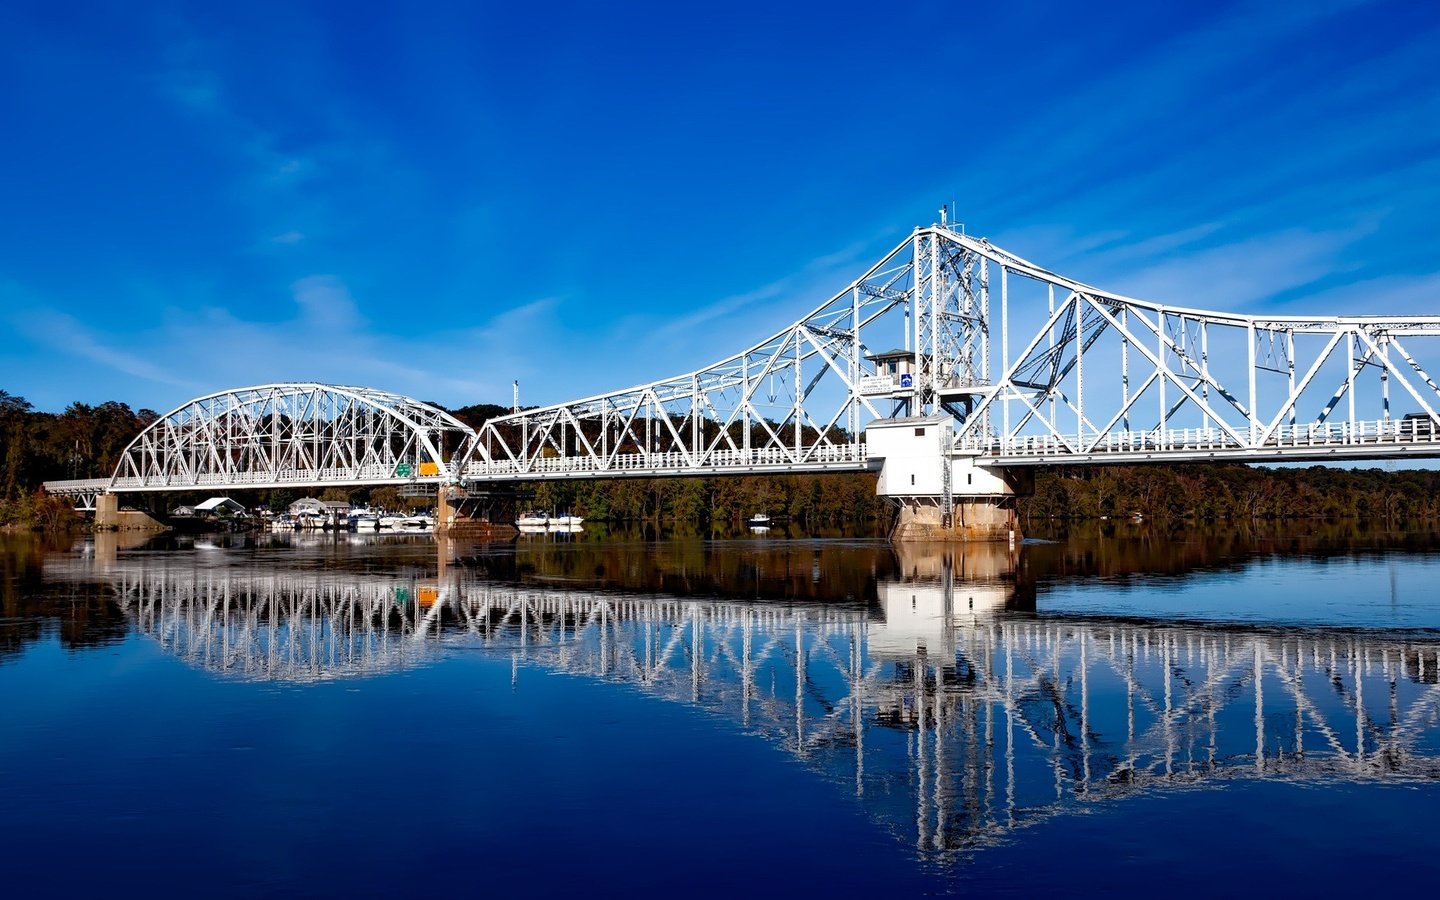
x: 937, y: 694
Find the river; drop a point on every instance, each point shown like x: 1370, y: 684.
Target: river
x: 1117, y: 708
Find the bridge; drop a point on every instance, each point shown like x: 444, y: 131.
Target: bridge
x: 950, y: 366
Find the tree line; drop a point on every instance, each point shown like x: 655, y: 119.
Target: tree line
x: 81, y: 442
x: 1232, y: 491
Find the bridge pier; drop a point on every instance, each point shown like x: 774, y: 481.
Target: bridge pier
x: 107, y: 512
x: 943, y: 495
x: 970, y: 519
x: 109, y: 516
x: 463, y: 513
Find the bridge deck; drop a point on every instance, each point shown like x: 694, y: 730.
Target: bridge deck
x: 1378, y: 440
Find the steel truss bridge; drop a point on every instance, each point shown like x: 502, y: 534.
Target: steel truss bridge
x: 954, y: 725
x: 1024, y: 366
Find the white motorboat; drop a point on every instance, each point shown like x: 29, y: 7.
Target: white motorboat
x: 364, y: 520
x: 536, y: 519
x: 759, y: 520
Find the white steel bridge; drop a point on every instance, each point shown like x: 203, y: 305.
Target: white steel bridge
x: 1017, y: 366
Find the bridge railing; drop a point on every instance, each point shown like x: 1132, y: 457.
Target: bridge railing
x: 76, y: 487
x: 371, y: 474
x: 1290, y: 439
x: 728, y: 461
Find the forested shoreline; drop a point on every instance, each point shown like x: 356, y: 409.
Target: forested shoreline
x: 86, y: 442
x: 1233, y: 491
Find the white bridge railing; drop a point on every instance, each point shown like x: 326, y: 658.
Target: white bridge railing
x: 767, y: 459
x: 1309, y: 440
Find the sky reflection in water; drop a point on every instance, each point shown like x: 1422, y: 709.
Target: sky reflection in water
x: 308, y: 716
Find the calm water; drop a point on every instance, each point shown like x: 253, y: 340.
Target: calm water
x: 1121, y: 711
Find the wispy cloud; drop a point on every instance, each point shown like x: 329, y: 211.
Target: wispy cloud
x: 66, y: 335
x: 325, y: 303
x: 1401, y: 295
x: 1237, y: 276
x: 276, y: 170
x: 826, y: 273
x: 195, y: 350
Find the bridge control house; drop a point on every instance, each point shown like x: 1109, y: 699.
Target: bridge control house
x: 941, y: 492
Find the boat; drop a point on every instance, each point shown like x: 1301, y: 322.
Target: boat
x: 364, y: 520
x: 537, y: 519
x: 759, y: 520
x: 391, y: 521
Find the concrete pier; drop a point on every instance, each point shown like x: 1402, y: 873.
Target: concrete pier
x: 461, y: 515
x: 110, y: 517
x: 972, y: 519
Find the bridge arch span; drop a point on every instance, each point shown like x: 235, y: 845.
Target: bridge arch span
x: 303, y: 434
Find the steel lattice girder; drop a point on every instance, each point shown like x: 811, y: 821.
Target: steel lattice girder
x: 1163, y: 381
x: 790, y: 402
x: 305, y: 434
x: 1179, y: 383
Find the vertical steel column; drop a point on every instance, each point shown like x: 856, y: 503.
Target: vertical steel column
x: 697, y: 434
x: 1384, y: 342
x: 1250, y: 353
x: 1079, y: 371
x: 1161, y: 369
x: 1350, y: 383
x: 746, y: 405
x: 1004, y: 353
x: 1125, y: 368
x: 1205, y: 370
x: 934, y: 323
x: 1290, y: 355
x: 799, y: 409
x: 917, y: 288
x: 983, y: 375
x: 1050, y: 394
x: 855, y: 344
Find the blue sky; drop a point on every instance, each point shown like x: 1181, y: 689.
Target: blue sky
x: 440, y: 200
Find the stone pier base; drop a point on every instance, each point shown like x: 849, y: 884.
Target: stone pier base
x: 460, y: 517
x: 110, y: 517
x: 974, y: 519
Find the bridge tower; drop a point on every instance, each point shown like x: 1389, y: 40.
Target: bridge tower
x: 939, y: 379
